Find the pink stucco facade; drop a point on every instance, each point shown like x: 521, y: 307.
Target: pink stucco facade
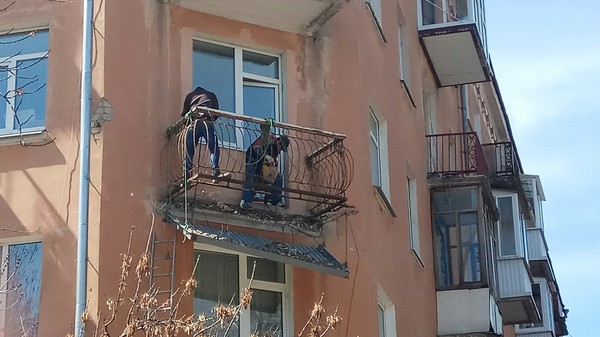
x: 142, y: 63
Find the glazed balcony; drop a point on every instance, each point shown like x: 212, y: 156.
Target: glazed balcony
x: 465, y: 262
x: 453, y: 35
x: 316, y: 169
x: 514, y: 275
x: 516, y: 300
x: 456, y: 155
x: 297, y: 16
x: 539, y: 259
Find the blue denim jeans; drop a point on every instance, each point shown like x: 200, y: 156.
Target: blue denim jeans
x: 206, y: 130
x: 254, y: 171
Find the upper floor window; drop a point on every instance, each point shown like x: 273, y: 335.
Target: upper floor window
x: 245, y: 82
x: 375, y: 6
x: 413, y: 217
x: 21, y: 288
x: 386, y: 314
x: 374, y: 131
x: 23, y: 75
x: 403, y: 63
x: 222, y: 275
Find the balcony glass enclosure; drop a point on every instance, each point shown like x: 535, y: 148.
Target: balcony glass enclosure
x: 453, y: 34
x: 464, y: 240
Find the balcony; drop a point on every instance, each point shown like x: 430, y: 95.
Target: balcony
x: 453, y: 35
x: 316, y: 168
x: 297, y: 16
x: 514, y: 276
x: 456, y: 155
x: 539, y: 260
x: 465, y: 261
x: 516, y: 300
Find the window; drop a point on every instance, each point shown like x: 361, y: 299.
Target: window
x: 464, y: 242
x: 21, y: 288
x: 245, y: 82
x: 511, y: 227
x: 23, y: 75
x: 403, y: 62
x: 413, y: 217
x: 386, y: 314
x: 221, y: 276
x: 375, y: 149
x: 375, y: 6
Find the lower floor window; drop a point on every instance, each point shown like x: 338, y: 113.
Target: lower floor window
x: 222, y: 275
x: 20, y: 278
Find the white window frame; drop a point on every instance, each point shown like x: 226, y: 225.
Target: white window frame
x: 518, y: 230
x: 284, y: 288
x: 413, y: 216
x: 5, y: 243
x: 242, y: 78
x: 375, y: 6
x: 380, y: 137
x: 375, y: 138
x: 11, y: 63
x: 403, y: 62
x: 389, y: 313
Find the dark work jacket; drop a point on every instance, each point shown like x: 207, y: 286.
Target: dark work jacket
x: 199, y: 97
x: 257, y: 149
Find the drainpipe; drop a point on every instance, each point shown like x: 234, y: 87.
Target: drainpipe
x: 84, y: 166
x: 464, y: 107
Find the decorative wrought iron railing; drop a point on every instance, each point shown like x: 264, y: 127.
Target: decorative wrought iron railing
x: 316, y: 167
x: 502, y: 160
x: 456, y: 154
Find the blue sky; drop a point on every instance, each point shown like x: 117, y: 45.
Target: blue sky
x: 546, y: 56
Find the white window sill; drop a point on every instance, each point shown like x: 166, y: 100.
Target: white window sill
x: 384, y: 201
x: 26, y: 138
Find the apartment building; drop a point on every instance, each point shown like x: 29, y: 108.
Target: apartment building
x: 404, y: 199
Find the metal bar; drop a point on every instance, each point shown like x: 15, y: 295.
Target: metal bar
x: 222, y: 113
x: 320, y: 150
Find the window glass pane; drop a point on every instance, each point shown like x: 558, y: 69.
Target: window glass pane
x: 23, y: 295
x: 259, y: 101
x: 375, y: 164
x: 266, y: 270
x: 444, y: 247
x: 218, y: 282
x: 31, y: 93
x: 3, y: 89
x: 259, y: 64
x: 24, y: 43
x: 507, y: 227
x: 381, y: 318
x: 213, y: 69
x: 455, y: 200
x: 470, y: 247
x: 266, y: 314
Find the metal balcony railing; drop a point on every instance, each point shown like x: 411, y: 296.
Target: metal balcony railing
x: 502, y: 160
x: 316, y: 167
x: 456, y: 154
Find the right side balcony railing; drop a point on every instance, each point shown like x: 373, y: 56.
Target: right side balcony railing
x: 313, y: 165
x: 456, y: 154
x: 501, y: 159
